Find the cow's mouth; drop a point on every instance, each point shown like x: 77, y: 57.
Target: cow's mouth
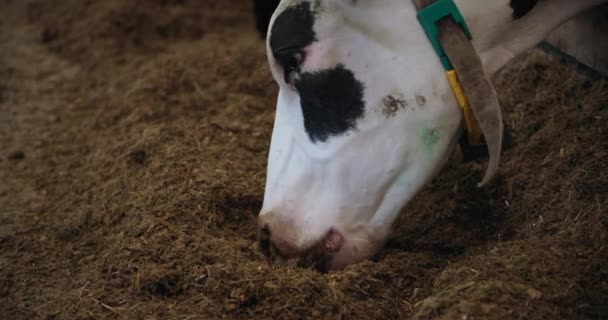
x: 319, y: 257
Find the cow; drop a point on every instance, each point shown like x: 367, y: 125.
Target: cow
x: 365, y: 116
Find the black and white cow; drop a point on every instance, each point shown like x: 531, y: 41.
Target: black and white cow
x: 365, y: 115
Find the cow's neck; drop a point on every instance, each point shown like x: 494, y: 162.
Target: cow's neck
x: 486, y: 19
x: 499, y: 36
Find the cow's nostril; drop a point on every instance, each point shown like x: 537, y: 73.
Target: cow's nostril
x: 267, y: 246
x: 264, y: 241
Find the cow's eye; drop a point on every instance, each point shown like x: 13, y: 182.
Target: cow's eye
x: 291, y: 65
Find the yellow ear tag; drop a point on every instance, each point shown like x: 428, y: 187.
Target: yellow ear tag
x: 474, y: 132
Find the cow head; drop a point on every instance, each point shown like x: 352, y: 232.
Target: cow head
x: 365, y: 118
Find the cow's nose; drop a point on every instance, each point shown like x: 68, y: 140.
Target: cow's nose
x: 275, y: 242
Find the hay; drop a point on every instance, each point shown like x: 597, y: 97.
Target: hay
x: 134, y: 141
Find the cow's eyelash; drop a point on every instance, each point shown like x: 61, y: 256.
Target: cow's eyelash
x: 286, y: 50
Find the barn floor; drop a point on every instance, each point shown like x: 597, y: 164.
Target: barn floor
x: 133, y: 143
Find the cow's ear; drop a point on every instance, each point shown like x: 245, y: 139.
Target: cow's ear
x: 486, y: 109
x: 263, y: 10
x: 478, y: 89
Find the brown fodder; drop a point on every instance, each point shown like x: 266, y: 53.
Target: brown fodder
x: 134, y: 138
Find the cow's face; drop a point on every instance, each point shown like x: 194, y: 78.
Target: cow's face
x: 364, y: 119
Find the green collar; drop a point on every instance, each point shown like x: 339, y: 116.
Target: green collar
x: 428, y: 18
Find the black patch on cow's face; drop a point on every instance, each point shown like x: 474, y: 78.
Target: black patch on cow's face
x: 293, y: 29
x: 263, y: 10
x: 522, y: 7
x: 331, y: 100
